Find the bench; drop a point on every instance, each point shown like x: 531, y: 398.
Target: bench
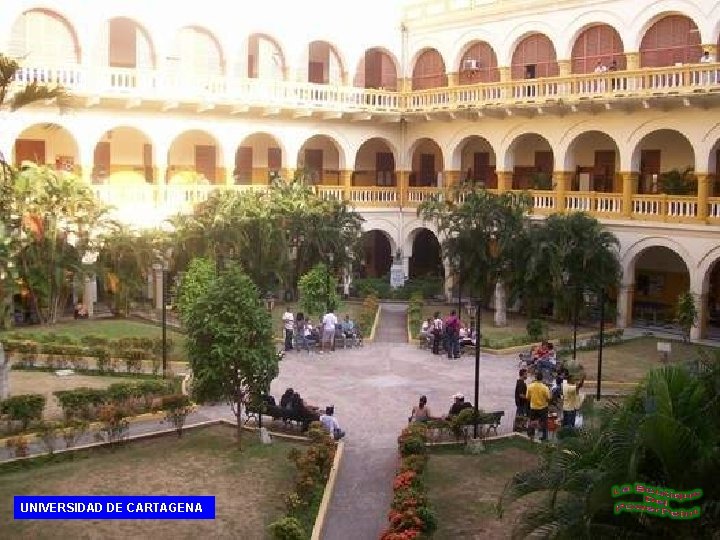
x: 277, y: 413
x: 486, y: 421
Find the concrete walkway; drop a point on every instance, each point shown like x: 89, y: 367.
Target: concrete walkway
x: 392, y: 326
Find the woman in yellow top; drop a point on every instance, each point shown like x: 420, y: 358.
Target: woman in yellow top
x: 571, y: 401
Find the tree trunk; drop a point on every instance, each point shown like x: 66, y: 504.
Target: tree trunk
x: 238, y: 417
x: 500, y: 304
x: 4, y: 374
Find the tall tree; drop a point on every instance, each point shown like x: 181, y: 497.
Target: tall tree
x: 481, y: 237
x: 230, y: 339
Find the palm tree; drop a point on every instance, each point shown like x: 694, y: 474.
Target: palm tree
x: 665, y: 434
x: 16, y: 96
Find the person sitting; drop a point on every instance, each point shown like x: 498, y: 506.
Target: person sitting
x: 286, y: 399
x: 310, y: 334
x: 348, y: 327
x: 306, y: 413
x: 421, y: 412
x: 540, y: 352
x: 330, y: 423
x: 459, y: 404
x: 548, y: 360
x: 81, y: 311
x: 426, y: 333
x: 467, y: 337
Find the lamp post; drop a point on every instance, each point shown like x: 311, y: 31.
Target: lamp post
x: 602, y: 340
x: 576, y: 309
x: 331, y: 257
x: 165, y: 265
x: 476, y: 312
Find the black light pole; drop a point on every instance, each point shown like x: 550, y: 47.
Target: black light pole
x: 477, y: 366
x: 164, y: 318
x: 575, y: 322
x: 459, y: 309
x: 600, y: 348
x: 327, y: 284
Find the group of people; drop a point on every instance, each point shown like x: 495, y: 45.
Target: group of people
x: 295, y: 406
x: 449, y: 334
x: 534, y: 401
x: 301, y: 331
x: 421, y: 411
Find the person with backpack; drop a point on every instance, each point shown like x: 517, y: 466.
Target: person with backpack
x: 452, y: 335
x: 437, y: 329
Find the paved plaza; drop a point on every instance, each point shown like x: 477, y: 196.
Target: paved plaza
x: 373, y: 390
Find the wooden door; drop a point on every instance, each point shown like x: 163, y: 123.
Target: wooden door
x: 429, y: 71
x: 544, y: 162
x: 479, y: 65
x: 316, y: 72
x: 314, y: 164
x: 101, y: 160
x: 599, y: 43
x: 274, y: 159
x: 243, y: 165
x: 427, y: 170
x: 373, y: 69
x: 29, y: 150
x: 603, y: 170
x: 481, y: 167
x: 649, y: 168
x: 671, y: 40
x: 206, y: 161
x: 534, y: 53
x: 385, y: 169
x: 122, y: 43
x: 148, y: 163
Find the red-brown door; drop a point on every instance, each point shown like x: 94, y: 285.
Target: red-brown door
x: 649, y: 168
x: 544, y: 162
x: 148, y: 163
x: 603, y: 170
x: 385, y: 169
x: 243, y: 165
x: 29, y: 150
x: 316, y: 72
x: 427, y: 170
x: 101, y: 161
x: 534, y: 57
x: 599, y: 43
x: 373, y: 69
x: 122, y: 43
x: 206, y: 161
x: 674, y: 39
x: 314, y: 164
x: 274, y: 159
x: 479, y: 65
x: 481, y: 167
x: 429, y: 71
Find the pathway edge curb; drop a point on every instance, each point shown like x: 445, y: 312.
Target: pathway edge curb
x: 327, y: 494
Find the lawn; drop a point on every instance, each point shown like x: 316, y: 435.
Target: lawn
x: 631, y: 360
x: 516, y: 324
x: 40, y: 382
x: 113, y: 329
x: 463, y: 489
x: 248, y: 486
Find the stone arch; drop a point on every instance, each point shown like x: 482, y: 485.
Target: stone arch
x: 424, y: 170
x: 705, y: 266
x: 464, y: 41
x: 378, y: 252
x: 429, y: 70
x: 136, y: 53
x: 589, y: 153
x: 322, y: 157
x: 475, y: 168
x: 45, y: 22
x: 48, y: 144
x: 597, y: 43
x: 520, y: 32
x: 195, y: 155
x: 534, y: 56
x: 670, y: 38
x: 127, y: 156
x: 587, y: 20
x: 656, y: 130
x: 322, y: 63
x: 378, y: 68
x: 371, y: 168
x: 259, y: 157
x: 425, y: 251
x: 630, y: 253
x: 654, y: 11
x: 268, y: 61
x: 388, y: 226
x: 198, y: 50
x: 477, y: 64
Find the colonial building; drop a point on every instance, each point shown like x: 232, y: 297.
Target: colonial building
x: 587, y: 104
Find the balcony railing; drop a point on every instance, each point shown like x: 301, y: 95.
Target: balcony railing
x: 168, y: 87
x: 155, y: 203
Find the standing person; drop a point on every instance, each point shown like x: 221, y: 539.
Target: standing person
x: 571, y: 401
x: 329, y: 322
x: 521, y: 401
x: 452, y: 335
x: 538, y: 395
x: 437, y: 331
x: 288, y: 324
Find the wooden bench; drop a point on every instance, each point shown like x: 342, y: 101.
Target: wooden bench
x: 277, y: 413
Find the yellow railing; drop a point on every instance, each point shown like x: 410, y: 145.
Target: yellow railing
x: 245, y: 93
x: 146, y: 201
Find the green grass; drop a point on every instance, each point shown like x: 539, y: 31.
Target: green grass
x: 464, y: 489
x: 112, y: 329
x: 248, y: 486
x: 630, y: 360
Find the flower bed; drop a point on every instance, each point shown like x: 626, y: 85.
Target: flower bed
x: 410, y: 515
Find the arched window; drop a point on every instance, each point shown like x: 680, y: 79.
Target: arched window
x: 478, y: 65
x: 429, y: 71
x: 674, y: 39
x: 534, y: 57
x: 599, y: 43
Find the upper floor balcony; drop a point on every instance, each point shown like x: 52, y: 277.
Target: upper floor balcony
x: 132, y: 88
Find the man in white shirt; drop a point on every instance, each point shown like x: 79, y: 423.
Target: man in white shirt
x: 330, y: 423
x: 329, y: 322
x: 288, y: 324
x: 708, y: 77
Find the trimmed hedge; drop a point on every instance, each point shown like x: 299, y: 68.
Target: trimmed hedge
x: 23, y: 408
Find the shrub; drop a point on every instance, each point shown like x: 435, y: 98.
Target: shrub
x: 24, y: 408
x: 19, y: 445
x: 535, y: 329
x: 177, y: 407
x: 115, y: 427
x: 133, y: 360
x: 80, y: 403
x: 287, y: 528
x: 73, y: 432
x: 48, y: 433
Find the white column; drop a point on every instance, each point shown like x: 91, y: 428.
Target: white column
x: 157, y: 270
x: 406, y: 267
x: 449, y: 281
x: 624, y: 303
x: 500, y: 304
x: 698, y: 329
x: 150, y: 286
x: 347, y: 281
